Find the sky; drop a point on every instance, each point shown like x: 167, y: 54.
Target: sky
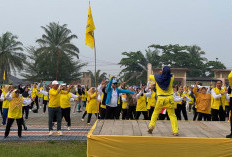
x: 126, y: 25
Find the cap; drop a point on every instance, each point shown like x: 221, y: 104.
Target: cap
x: 55, y: 82
x: 63, y: 84
x: 114, y: 81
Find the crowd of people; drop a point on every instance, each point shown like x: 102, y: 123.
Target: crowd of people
x: 157, y: 99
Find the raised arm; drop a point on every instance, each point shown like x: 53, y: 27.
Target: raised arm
x: 230, y: 79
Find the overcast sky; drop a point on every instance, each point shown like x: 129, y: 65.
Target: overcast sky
x: 126, y: 25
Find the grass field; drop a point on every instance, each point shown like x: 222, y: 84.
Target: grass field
x: 43, y: 149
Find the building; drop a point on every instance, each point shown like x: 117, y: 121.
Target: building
x: 86, y: 79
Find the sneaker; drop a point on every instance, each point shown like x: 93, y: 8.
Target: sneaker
x: 59, y: 133
x: 175, y: 134
x: 88, y: 123
x: 82, y: 120
x: 50, y: 133
x: 69, y: 128
x: 150, y: 130
x: 229, y: 136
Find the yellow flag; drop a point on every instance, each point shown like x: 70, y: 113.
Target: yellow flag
x: 4, y: 75
x: 90, y: 27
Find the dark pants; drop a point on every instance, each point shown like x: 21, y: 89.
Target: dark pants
x: 132, y: 112
x: 118, y: 111
x: 35, y: 102
x: 207, y: 117
x: 151, y: 112
x: 4, y: 115
x: 1, y: 108
x: 26, y: 111
x: 45, y: 102
x: 163, y: 116
x: 85, y: 113
x: 231, y: 115
x: 181, y: 108
x: 66, y: 114
x: 218, y: 115
x: 52, y: 112
x: 89, y: 117
x: 111, y: 112
x: 227, y: 110
x: 125, y: 114
x: 102, y: 113
x: 195, y: 113
x: 138, y: 113
x: 9, y: 124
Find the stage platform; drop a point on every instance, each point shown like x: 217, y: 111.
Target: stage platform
x: 130, y: 138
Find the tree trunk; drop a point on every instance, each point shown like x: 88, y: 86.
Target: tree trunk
x: 57, y: 68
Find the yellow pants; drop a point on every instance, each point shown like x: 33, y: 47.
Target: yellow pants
x: 165, y: 102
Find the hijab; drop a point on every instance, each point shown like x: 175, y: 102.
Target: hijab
x: 164, y: 79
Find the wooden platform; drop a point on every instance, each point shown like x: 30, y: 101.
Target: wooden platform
x: 163, y: 128
x: 124, y: 138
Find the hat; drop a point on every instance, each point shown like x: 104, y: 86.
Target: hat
x: 55, y: 82
x: 63, y: 84
x: 114, y: 81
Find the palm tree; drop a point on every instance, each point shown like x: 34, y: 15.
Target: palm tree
x: 100, y: 76
x: 11, y: 56
x: 57, y: 40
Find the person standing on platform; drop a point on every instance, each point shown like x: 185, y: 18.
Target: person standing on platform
x: 203, y: 103
x: 230, y: 83
x: 112, y: 98
x: 218, y: 102
x: 165, y: 98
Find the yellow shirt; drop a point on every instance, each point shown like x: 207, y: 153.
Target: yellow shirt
x: 54, y: 100
x: 124, y: 103
x: 40, y: 94
x: 159, y: 91
x: 203, y: 101
x: 216, y: 103
x: 92, y: 106
x: 65, y: 100
x: 5, y: 103
x: 15, y: 112
x: 141, y: 103
x: 34, y: 93
x: 46, y: 97
x: 230, y: 81
x: 152, y: 99
x: 102, y: 105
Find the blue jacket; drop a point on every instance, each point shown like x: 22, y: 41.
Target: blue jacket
x: 109, y: 91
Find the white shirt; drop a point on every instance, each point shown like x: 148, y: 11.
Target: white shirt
x: 114, y: 99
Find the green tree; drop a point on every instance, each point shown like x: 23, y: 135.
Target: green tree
x: 11, y: 54
x: 41, y: 66
x: 100, y: 76
x: 56, y: 41
x: 213, y: 65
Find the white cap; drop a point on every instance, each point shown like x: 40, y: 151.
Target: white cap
x: 63, y: 84
x: 55, y: 82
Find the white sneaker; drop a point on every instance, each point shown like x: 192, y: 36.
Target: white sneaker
x: 59, y: 133
x: 69, y: 128
x: 50, y: 133
x: 82, y: 120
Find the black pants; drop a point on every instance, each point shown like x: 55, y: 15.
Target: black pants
x: 195, y: 113
x: 132, y: 112
x: 45, y: 102
x: 151, y: 112
x: 218, y: 115
x: 9, y: 124
x: 102, y: 113
x: 54, y: 114
x: 125, y: 114
x: 163, y: 116
x: 26, y: 111
x: 1, y: 107
x: 111, y: 112
x: 65, y: 112
x: 138, y: 113
x: 181, y: 108
x: 207, y: 117
x: 118, y: 111
x: 37, y: 105
x: 227, y: 110
x: 89, y: 117
x: 85, y: 113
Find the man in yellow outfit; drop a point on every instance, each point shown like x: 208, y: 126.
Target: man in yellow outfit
x: 165, y: 98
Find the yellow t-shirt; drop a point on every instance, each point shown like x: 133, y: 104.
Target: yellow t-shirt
x: 34, y: 93
x: 65, y: 100
x: 5, y: 103
x: 54, y: 100
x: 92, y: 106
x: 141, y: 103
x: 15, y: 112
x: 40, y: 95
x: 124, y: 103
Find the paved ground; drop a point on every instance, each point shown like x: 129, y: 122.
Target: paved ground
x: 38, y: 128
